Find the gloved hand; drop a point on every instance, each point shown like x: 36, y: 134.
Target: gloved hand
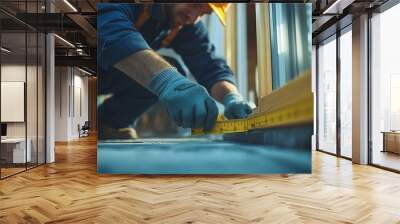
x: 235, y: 106
x: 188, y: 103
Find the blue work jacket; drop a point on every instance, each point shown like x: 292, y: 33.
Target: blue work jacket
x: 118, y: 38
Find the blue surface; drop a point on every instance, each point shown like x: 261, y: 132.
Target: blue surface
x: 199, y: 157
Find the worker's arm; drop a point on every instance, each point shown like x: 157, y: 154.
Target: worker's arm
x: 228, y: 94
x: 188, y: 103
x: 193, y: 45
x: 121, y: 46
x: 221, y: 88
x: 117, y: 37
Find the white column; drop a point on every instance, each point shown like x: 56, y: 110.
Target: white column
x: 50, y: 93
x: 50, y: 100
x: 360, y: 90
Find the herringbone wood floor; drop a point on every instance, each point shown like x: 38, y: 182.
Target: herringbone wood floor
x: 70, y: 191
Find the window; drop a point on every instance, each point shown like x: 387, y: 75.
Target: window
x: 22, y: 76
x: 327, y: 96
x: 385, y: 89
x: 346, y: 93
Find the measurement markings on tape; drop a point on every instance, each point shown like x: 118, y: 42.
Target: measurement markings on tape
x: 289, y: 105
x: 297, y: 113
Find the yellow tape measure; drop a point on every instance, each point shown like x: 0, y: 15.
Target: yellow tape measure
x: 289, y: 105
x: 297, y: 113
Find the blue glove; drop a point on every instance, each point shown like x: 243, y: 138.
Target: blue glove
x: 235, y: 106
x: 188, y: 103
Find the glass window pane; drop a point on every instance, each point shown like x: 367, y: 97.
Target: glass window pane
x: 31, y: 97
x: 32, y: 88
x: 13, y: 87
x: 41, y: 98
x: 327, y: 96
x: 23, y: 85
x: 385, y: 86
x: 346, y: 94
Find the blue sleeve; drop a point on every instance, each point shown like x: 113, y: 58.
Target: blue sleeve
x: 193, y: 44
x: 116, y: 35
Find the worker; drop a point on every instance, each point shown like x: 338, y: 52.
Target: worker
x: 136, y: 77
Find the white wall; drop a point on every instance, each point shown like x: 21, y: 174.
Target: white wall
x: 33, y: 127
x: 62, y: 81
x: 16, y: 73
x: 11, y: 73
x: 81, y: 96
x: 71, y: 94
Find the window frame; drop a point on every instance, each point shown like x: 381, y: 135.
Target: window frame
x: 334, y: 37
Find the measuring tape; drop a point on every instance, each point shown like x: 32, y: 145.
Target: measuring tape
x: 290, y: 105
x: 300, y: 112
